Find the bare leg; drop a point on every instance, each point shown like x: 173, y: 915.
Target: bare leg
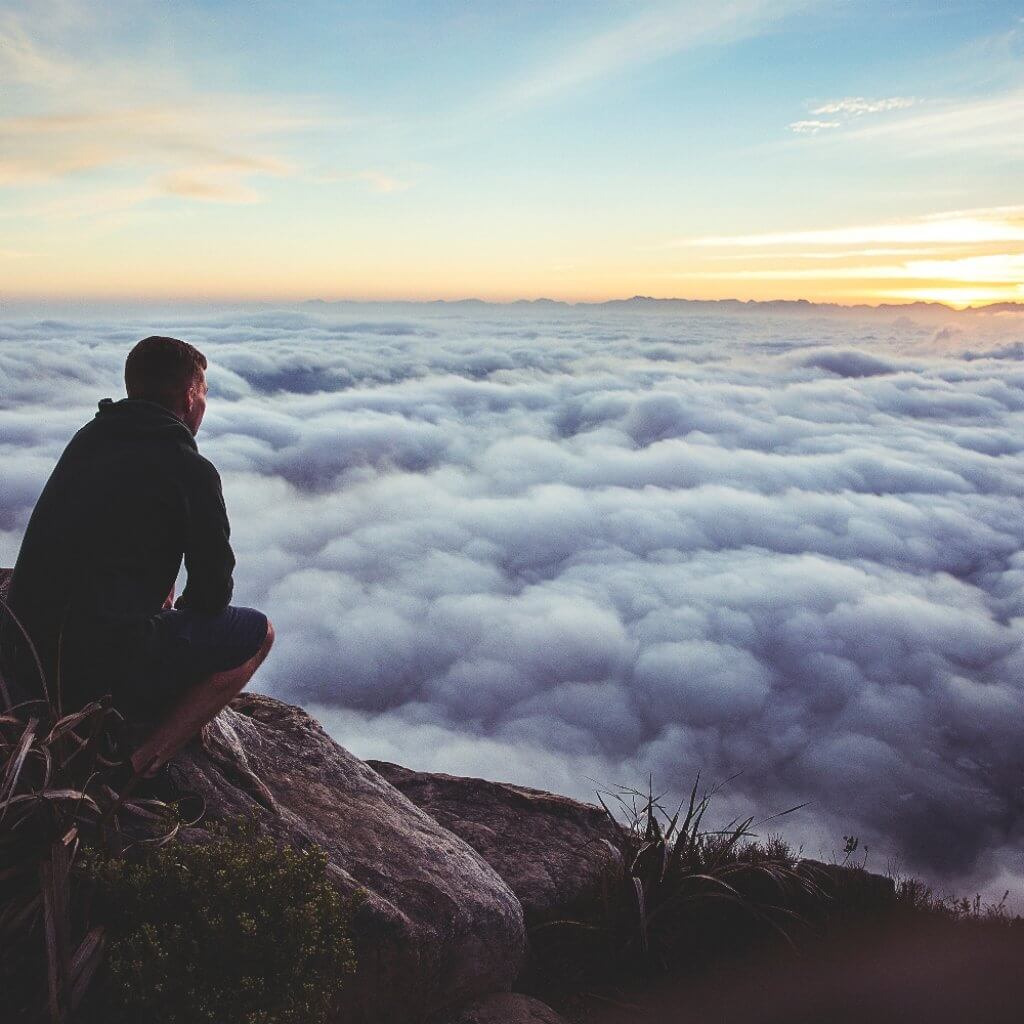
x: 197, y: 706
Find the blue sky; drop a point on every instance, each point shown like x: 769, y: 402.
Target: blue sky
x: 579, y: 150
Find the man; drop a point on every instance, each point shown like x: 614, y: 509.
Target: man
x: 93, y: 584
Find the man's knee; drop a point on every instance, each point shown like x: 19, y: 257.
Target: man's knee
x: 229, y: 682
x: 233, y: 680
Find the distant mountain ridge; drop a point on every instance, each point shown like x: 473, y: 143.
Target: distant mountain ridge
x: 646, y: 303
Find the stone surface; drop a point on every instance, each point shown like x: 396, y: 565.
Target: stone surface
x: 556, y: 854
x: 438, y: 927
x: 503, y: 1008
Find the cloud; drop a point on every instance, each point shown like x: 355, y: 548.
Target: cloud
x: 213, y: 184
x: 553, y: 545
x: 994, y: 122
x: 812, y: 127
x: 382, y: 182
x: 999, y: 224
x: 376, y: 181
x: 842, y: 112
x: 207, y: 145
x: 658, y: 31
x: 857, y: 106
x: 941, y: 125
x: 968, y: 256
x: 128, y: 116
x: 850, y: 363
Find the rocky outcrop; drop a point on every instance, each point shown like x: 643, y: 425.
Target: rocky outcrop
x: 557, y: 855
x: 438, y: 926
x: 847, y: 888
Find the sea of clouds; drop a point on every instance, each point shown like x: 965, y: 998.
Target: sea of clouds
x: 555, y: 545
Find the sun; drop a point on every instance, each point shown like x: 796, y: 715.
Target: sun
x: 958, y: 296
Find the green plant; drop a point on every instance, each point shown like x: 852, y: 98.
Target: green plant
x: 57, y: 775
x: 688, y: 893
x: 232, y: 930
x: 698, y: 889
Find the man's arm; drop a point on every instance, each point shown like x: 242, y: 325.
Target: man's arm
x: 209, y: 559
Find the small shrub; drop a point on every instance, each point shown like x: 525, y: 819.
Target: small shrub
x: 915, y: 898
x: 234, y: 930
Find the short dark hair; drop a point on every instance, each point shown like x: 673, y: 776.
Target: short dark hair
x: 161, y: 370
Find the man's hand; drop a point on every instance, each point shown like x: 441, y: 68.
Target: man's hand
x: 169, y: 602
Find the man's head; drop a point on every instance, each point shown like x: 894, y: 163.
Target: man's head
x: 171, y: 373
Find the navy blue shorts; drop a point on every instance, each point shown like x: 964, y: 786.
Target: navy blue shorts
x: 184, y: 648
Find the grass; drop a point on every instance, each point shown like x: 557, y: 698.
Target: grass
x: 693, y: 901
x: 54, y: 797
x: 687, y: 895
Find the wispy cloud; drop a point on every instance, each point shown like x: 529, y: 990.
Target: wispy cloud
x: 812, y: 127
x: 964, y: 255
x: 23, y: 60
x: 114, y: 114
x: 374, y: 180
x: 182, y: 139
x: 843, y: 112
x: 988, y: 122
x: 655, y: 33
x: 857, y: 106
x: 212, y: 186
x: 1001, y: 269
x: 1000, y: 224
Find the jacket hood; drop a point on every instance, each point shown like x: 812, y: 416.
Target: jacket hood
x: 135, y: 417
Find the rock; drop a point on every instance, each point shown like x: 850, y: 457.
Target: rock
x: 849, y: 889
x: 438, y: 927
x: 556, y: 854
x: 504, y: 1008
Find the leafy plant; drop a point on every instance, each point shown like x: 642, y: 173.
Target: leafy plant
x: 234, y: 930
x: 55, y: 793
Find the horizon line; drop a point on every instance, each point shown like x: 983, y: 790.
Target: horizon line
x: 800, y: 303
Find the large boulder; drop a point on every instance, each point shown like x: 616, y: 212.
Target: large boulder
x: 438, y: 926
x: 558, y: 856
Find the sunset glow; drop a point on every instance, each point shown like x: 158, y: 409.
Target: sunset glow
x: 581, y: 151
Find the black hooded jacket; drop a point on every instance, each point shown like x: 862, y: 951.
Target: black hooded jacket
x: 129, y: 497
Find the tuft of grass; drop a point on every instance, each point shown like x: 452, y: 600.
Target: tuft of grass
x: 55, y: 797
x: 914, y: 897
x: 700, y: 888
x: 688, y: 894
x: 56, y: 770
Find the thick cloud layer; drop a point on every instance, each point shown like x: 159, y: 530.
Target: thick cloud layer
x: 560, y: 545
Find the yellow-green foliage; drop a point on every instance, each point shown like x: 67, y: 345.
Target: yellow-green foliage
x: 231, y: 931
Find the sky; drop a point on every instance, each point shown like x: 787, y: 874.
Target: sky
x: 575, y: 547
x: 836, y: 150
